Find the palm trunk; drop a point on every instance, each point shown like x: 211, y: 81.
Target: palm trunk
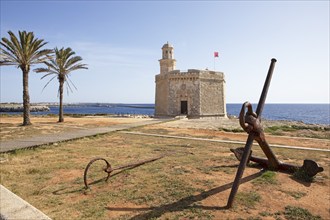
x: 26, y: 97
x: 61, y: 118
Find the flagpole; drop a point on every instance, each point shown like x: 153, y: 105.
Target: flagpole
x: 214, y: 62
x: 215, y: 55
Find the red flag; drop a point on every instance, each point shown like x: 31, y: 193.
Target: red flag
x: 216, y: 54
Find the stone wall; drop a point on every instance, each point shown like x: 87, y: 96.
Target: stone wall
x: 212, y: 89
x: 203, y: 90
x: 184, y: 88
x: 161, y: 99
x: 167, y: 65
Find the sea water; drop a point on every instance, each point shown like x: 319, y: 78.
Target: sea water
x: 307, y: 113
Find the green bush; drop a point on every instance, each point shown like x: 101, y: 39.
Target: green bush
x: 248, y: 199
x: 297, y: 213
x: 268, y: 177
x: 300, y: 174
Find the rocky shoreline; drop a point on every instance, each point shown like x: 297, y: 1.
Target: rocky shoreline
x: 19, y: 108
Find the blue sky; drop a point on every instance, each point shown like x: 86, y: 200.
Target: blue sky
x: 121, y: 43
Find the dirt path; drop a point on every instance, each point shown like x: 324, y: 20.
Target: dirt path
x: 210, y: 130
x: 10, y: 129
x: 10, y: 126
x: 33, y: 136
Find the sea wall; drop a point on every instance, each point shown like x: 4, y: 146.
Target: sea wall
x: 19, y: 108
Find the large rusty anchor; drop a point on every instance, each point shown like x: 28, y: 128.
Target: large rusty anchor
x: 251, y: 123
x: 109, y: 169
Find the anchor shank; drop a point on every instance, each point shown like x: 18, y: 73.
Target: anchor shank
x: 132, y: 165
x: 240, y: 170
x: 253, y: 129
x: 263, y: 96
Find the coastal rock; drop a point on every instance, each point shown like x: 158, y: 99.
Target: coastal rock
x: 19, y: 108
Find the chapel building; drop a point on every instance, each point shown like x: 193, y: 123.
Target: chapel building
x: 195, y: 93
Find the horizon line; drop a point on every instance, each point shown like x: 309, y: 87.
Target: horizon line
x: 136, y: 103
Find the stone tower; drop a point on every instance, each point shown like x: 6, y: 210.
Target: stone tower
x: 195, y: 93
x: 167, y: 63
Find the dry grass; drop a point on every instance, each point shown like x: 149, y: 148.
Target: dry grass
x: 192, y: 182
x: 10, y: 126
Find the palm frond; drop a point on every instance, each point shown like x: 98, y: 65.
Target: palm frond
x: 51, y: 65
x: 48, y: 74
x: 68, y: 87
x: 45, y: 70
x: 41, y: 56
x: 24, y: 50
x: 41, y: 70
x: 72, y: 61
x: 7, y: 63
x: 23, y: 44
x: 8, y: 45
x: 11, y: 53
x: 48, y: 83
x: 69, y: 81
x: 77, y: 67
x: 7, y: 56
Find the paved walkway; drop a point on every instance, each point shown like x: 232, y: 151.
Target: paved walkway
x: 225, y: 141
x: 14, y: 207
x: 11, y: 145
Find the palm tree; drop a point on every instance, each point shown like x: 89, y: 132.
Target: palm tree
x: 61, y: 66
x: 23, y: 53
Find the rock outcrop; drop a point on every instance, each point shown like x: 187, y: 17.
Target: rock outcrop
x: 19, y: 108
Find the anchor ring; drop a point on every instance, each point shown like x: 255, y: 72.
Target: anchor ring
x: 107, y: 169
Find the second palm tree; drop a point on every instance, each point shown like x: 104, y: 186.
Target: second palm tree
x: 61, y: 66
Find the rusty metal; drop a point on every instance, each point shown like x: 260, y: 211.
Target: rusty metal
x: 251, y: 123
x: 108, y: 169
x: 310, y: 167
x: 254, y: 129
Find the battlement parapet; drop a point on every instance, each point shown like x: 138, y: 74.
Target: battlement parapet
x: 178, y: 75
x: 212, y: 75
x: 192, y: 74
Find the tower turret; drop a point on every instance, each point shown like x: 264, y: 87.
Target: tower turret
x: 167, y: 63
